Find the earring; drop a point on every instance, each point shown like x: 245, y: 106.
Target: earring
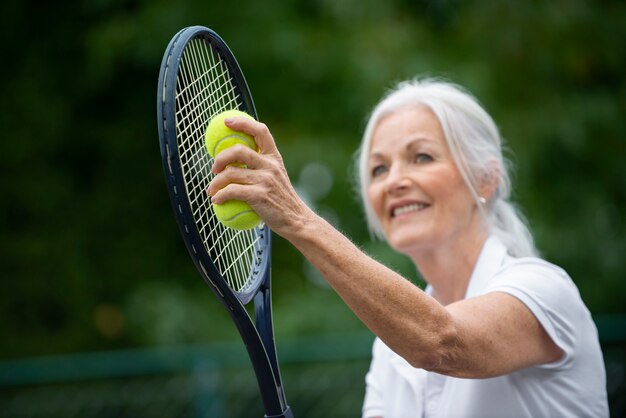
x: 482, y: 200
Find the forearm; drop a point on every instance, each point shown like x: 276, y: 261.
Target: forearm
x: 409, y: 321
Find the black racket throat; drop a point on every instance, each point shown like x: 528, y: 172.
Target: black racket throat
x: 200, y: 78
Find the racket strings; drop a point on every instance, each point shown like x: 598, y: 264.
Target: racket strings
x: 204, y: 89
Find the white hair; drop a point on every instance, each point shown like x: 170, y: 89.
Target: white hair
x: 476, y: 148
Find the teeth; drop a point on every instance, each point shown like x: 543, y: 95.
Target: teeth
x: 408, y: 208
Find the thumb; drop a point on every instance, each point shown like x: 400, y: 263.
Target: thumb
x: 259, y: 131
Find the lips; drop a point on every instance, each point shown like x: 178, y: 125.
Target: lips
x: 404, y: 208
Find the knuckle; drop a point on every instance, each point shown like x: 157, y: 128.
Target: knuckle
x: 263, y: 129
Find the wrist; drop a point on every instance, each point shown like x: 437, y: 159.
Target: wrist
x: 302, y: 225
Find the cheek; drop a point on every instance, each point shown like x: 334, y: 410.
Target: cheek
x: 448, y: 186
x: 374, y: 197
x: 457, y: 195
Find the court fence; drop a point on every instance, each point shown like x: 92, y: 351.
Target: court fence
x: 323, y: 377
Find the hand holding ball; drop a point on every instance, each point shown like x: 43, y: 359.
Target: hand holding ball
x: 234, y: 214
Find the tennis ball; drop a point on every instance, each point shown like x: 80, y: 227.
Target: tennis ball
x: 234, y: 214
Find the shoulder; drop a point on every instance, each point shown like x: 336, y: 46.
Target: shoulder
x: 495, y: 267
x: 536, y: 278
x: 551, y: 295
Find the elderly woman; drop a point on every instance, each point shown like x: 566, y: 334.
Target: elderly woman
x: 498, y: 332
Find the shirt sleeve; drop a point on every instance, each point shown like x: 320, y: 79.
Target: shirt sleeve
x: 374, y: 383
x: 552, y: 297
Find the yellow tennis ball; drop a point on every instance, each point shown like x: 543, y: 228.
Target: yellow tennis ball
x: 234, y: 214
x: 218, y: 136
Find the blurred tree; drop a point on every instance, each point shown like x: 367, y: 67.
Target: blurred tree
x: 90, y: 254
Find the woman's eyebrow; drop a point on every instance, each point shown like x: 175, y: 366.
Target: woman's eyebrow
x: 411, y: 143
x: 420, y: 140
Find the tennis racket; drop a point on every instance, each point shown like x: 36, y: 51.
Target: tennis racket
x: 200, y: 78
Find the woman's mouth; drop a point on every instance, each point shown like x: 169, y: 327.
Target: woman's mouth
x: 402, y: 210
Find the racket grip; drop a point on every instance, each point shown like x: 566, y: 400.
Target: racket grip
x: 286, y: 414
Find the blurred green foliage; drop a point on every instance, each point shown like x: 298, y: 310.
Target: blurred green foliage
x: 90, y: 254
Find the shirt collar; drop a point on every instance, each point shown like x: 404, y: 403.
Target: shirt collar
x: 490, y: 260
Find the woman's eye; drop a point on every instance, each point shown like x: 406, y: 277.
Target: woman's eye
x: 378, y: 170
x: 423, y: 158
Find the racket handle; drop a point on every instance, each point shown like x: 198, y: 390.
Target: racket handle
x: 286, y: 414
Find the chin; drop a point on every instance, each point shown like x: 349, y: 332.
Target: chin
x: 406, y: 242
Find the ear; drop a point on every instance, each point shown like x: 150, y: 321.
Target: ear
x: 490, y: 181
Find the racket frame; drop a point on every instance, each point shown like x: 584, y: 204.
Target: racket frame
x: 258, y: 337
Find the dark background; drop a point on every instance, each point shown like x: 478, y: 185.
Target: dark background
x: 90, y: 254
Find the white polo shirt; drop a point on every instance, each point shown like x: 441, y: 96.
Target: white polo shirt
x: 574, y: 386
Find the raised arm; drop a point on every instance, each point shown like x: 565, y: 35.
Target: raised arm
x: 481, y: 337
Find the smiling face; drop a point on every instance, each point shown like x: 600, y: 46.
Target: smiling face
x: 416, y: 189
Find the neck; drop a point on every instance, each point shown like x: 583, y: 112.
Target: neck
x: 448, y: 268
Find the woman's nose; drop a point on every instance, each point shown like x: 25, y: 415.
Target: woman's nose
x: 396, y: 181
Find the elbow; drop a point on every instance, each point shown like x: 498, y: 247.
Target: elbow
x: 442, y: 353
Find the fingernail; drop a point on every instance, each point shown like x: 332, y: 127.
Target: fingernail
x: 228, y: 121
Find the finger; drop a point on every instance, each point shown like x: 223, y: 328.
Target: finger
x: 258, y: 130
x: 234, y: 191
x: 237, y: 154
x: 231, y: 175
